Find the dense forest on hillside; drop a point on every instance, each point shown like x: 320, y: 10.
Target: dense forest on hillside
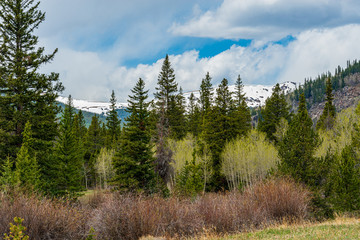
x: 191, y: 167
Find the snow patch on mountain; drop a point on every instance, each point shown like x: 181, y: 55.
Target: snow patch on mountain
x: 255, y: 96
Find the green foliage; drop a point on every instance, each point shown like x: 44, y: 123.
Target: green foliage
x: 194, y: 117
x: 7, y: 177
x: 190, y: 179
x: 25, y: 94
x: 177, y: 120
x: 327, y: 118
x: 17, y: 230
x: 276, y: 108
x: 346, y: 181
x: 112, y: 124
x: 134, y: 162
x: 297, y: 149
x: 104, y: 167
x: 206, y: 94
x: 67, y: 162
x: 91, y: 235
x: 248, y: 159
x: 27, y: 170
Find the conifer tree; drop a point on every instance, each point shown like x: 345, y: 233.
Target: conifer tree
x: 25, y: 94
x: 7, y: 176
x: 296, y: 151
x: 346, y: 181
x: 327, y: 118
x: 134, y: 162
x: 177, y: 119
x: 112, y: 123
x: 241, y: 115
x: 94, y: 141
x: 167, y: 87
x: 27, y: 170
x: 217, y: 130
x: 275, y: 109
x: 67, y: 160
x: 206, y: 94
x: 194, y: 117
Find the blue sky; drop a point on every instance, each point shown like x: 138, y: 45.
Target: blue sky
x: 105, y: 45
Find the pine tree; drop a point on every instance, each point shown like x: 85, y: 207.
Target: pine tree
x: 206, y: 94
x: 240, y: 116
x: 67, y: 160
x: 217, y: 130
x: 327, y: 118
x: 194, y: 117
x: 27, y: 170
x: 112, y: 123
x: 7, y: 176
x: 275, y: 109
x: 25, y: 94
x: 296, y: 151
x: 346, y: 182
x: 134, y: 162
x: 177, y: 120
x: 167, y: 87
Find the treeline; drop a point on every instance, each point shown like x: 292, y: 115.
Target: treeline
x: 314, y: 89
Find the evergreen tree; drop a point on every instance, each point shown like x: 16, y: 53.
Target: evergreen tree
x: 167, y: 87
x: 25, y: 94
x: 7, y: 176
x: 296, y: 151
x: 67, y: 160
x: 346, y: 182
x: 194, y: 117
x: 112, y: 123
x: 94, y: 141
x: 206, y: 94
x: 177, y: 119
x: 241, y: 115
x: 275, y: 109
x: 27, y: 170
x: 134, y: 162
x: 217, y: 130
x: 327, y: 118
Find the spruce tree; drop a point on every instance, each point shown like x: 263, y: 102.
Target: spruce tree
x: 194, y: 116
x: 217, y: 130
x: 27, y: 169
x: 67, y: 160
x: 275, y: 109
x: 206, y: 94
x: 25, y: 94
x: 297, y: 149
x: 177, y: 120
x: 134, y: 162
x: 327, y: 118
x: 241, y: 115
x: 112, y: 123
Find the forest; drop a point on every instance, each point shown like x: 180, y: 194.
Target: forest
x: 170, y: 168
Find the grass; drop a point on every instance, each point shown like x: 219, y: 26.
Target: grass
x: 341, y: 228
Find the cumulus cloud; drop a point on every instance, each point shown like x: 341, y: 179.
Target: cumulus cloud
x: 268, y: 19
x: 87, y: 75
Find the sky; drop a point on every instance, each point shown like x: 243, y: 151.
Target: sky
x: 108, y: 45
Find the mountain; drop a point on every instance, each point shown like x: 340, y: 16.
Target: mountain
x: 255, y: 96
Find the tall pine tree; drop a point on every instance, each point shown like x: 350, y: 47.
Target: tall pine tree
x: 297, y: 149
x: 327, y: 118
x: 240, y: 116
x: 66, y: 178
x: 134, y: 162
x: 275, y: 109
x: 112, y: 124
x: 25, y: 94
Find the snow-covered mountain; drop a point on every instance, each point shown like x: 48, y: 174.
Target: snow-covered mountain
x: 255, y: 96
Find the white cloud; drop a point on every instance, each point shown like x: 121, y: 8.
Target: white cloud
x: 268, y: 19
x: 87, y: 75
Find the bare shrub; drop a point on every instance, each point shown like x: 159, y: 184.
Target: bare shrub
x: 43, y: 218
x: 132, y: 217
